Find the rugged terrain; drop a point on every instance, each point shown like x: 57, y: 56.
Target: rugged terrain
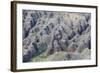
x: 56, y: 36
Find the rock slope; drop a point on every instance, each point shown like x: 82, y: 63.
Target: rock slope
x: 53, y: 36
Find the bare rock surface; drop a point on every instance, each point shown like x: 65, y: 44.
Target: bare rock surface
x: 53, y: 35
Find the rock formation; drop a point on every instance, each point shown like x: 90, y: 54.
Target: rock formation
x: 50, y: 33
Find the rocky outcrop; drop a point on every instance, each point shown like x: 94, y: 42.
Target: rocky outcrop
x: 48, y: 32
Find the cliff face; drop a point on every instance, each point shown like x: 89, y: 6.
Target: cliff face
x: 51, y: 36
